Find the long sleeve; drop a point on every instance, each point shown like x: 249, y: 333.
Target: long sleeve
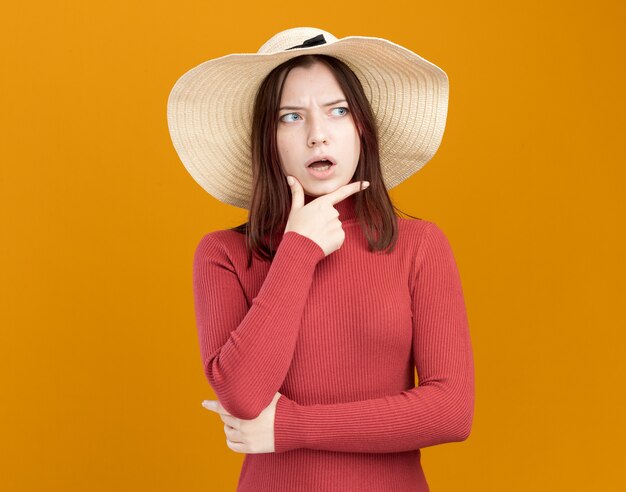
x: 247, y: 349
x: 439, y: 410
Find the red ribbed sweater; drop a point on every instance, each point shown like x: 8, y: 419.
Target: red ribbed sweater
x: 338, y: 336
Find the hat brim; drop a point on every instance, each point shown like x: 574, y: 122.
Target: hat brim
x: 209, y: 111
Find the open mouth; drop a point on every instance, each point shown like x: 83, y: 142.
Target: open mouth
x: 323, y: 165
x: 321, y: 169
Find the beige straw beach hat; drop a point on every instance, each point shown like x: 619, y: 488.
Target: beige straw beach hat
x: 209, y: 110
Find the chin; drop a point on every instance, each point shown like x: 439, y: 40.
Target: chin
x: 319, y: 189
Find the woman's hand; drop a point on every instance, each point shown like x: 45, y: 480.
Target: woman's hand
x: 318, y: 219
x: 247, y: 436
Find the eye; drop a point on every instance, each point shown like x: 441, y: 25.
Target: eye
x: 282, y: 118
x: 345, y: 111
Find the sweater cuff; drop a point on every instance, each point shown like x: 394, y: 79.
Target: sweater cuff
x: 300, y: 248
x: 288, y: 426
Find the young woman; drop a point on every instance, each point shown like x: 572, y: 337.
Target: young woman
x: 313, y: 315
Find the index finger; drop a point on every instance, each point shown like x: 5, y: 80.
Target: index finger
x: 345, y: 191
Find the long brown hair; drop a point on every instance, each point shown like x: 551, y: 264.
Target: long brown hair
x: 271, y: 196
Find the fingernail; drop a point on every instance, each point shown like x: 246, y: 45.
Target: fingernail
x: 290, y: 180
x: 366, y: 184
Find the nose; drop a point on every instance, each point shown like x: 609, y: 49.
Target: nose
x: 317, y: 132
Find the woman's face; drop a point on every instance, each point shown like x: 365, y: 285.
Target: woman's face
x: 314, y: 120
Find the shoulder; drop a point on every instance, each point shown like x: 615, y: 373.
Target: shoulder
x: 220, y: 244
x: 416, y: 231
x: 424, y: 238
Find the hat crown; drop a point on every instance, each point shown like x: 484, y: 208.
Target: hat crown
x: 292, y: 37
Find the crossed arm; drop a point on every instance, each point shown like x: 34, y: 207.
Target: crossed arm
x: 439, y: 410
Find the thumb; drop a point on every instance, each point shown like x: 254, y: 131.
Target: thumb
x: 297, y: 193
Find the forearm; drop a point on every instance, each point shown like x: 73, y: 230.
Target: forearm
x: 246, y: 353
x: 424, y: 416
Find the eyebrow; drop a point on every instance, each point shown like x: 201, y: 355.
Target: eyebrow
x: 325, y: 105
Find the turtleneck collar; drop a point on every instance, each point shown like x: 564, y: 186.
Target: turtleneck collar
x: 345, y: 207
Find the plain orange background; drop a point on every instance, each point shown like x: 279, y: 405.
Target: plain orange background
x: 100, y: 366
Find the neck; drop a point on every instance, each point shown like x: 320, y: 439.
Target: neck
x: 345, y: 207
